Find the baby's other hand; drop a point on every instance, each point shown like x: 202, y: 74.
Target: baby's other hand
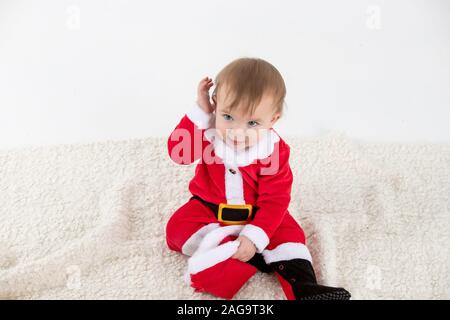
x: 246, y: 249
x: 203, y: 98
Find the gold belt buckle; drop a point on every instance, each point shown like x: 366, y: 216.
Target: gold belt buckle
x: 249, y: 207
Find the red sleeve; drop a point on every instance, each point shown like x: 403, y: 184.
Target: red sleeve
x: 274, y: 195
x: 185, y: 143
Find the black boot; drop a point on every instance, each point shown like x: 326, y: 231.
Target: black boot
x: 300, y: 274
x: 258, y: 261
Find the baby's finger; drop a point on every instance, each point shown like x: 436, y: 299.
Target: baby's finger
x: 245, y: 259
x: 203, y: 87
x: 238, y: 255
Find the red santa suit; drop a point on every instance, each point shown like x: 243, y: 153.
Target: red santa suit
x: 260, y: 176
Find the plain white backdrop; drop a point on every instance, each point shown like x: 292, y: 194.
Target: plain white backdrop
x: 82, y: 71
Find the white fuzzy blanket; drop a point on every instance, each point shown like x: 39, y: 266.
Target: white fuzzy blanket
x: 87, y: 221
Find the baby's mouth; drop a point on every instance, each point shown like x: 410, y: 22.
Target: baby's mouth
x: 237, y: 144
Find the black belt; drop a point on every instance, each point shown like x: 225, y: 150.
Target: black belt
x: 230, y: 213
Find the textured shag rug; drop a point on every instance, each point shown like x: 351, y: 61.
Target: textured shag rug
x: 87, y: 221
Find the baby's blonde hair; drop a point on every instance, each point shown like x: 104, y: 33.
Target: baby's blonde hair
x: 248, y: 79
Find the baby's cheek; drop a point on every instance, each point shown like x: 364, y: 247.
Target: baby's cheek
x: 253, y: 137
x: 219, y: 128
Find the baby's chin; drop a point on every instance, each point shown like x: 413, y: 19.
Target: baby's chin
x: 237, y: 147
x: 241, y: 148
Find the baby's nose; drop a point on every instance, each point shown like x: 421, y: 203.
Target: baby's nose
x: 237, y: 134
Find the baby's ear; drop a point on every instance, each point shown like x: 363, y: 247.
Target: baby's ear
x: 214, y: 100
x: 275, y: 118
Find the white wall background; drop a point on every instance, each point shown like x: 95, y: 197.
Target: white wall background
x: 81, y: 71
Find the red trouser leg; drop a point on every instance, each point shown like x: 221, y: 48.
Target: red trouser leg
x: 185, y: 230
x: 225, y: 278
x: 186, y: 226
x: 286, y: 286
x: 288, y: 242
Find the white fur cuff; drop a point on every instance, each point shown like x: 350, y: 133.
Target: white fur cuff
x: 256, y: 235
x: 287, y: 251
x: 191, y: 245
x: 199, y: 117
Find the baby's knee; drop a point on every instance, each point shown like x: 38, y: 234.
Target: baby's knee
x: 175, y: 220
x: 172, y: 229
x: 171, y: 223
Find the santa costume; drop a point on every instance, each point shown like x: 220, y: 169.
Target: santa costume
x: 239, y: 192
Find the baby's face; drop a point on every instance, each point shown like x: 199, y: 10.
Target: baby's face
x: 240, y: 130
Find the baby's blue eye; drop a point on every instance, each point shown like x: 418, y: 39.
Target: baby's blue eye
x: 252, y: 123
x: 227, y: 117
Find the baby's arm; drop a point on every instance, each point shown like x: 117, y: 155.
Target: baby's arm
x: 246, y: 250
x: 203, y: 98
x: 274, y: 195
x: 185, y: 143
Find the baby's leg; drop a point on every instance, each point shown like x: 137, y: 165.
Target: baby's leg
x: 287, y: 242
x: 223, y: 279
x: 185, y: 230
x: 288, y: 255
x: 188, y: 225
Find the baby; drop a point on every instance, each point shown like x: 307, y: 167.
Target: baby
x: 237, y: 220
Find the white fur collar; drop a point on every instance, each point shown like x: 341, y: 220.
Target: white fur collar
x: 242, y: 158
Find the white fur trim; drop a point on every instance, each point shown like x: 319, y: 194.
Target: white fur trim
x: 191, y: 244
x: 213, y: 257
x: 287, y: 251
x: 199, y: 117
x: 256, y: 235
x: 210, y: 253
x: 234, y: 186
x: 244, y: 157
x: 213, y: 238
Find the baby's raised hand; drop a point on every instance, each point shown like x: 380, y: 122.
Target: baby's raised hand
x: 246, y: 249
x: 203, y: 98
